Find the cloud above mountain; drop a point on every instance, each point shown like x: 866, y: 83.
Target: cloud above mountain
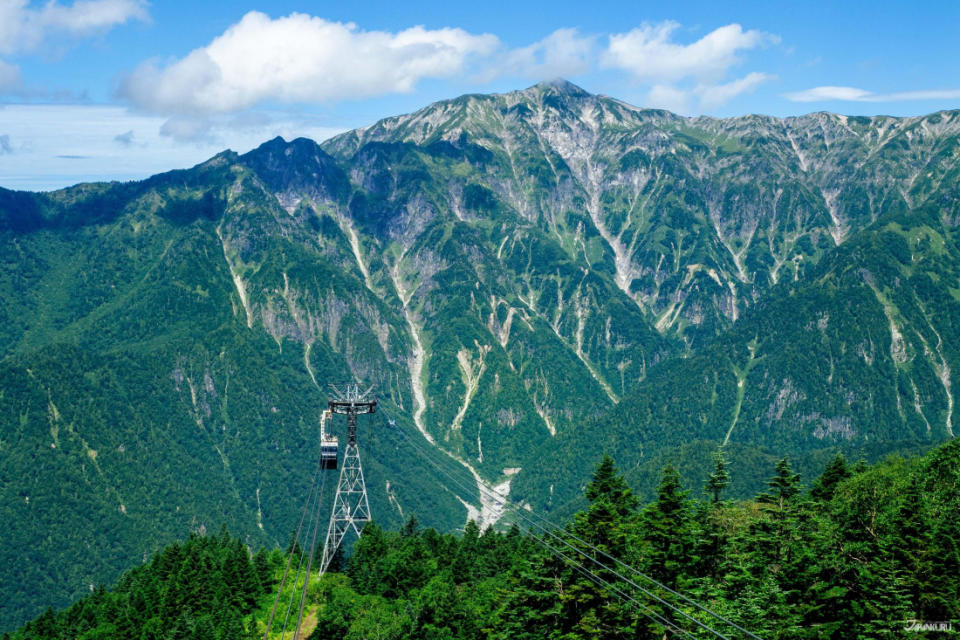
x: 300, y: 58
x: 24, y: 29
x: 565, y: 52
x: 853, y: 94
x: 650, y: 53
x: 687, y: 77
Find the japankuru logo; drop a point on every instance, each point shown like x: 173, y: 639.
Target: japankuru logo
x: 928, y: 625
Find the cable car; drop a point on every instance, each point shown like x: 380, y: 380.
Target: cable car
x: 328, y: 445
x: 328, y: 452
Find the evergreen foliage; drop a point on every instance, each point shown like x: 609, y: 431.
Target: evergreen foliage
x: 204, y: 588
x: 719, y: 478
x: 857, y: 563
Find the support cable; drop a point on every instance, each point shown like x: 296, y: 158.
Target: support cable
x: 587, y: 572
x: 508, y: 502
x: 293, y: 548
x: 296, y: 580
x: 313, y: 552
x: 505, y: 502
x: 580, y: 568
x: 596, y: 579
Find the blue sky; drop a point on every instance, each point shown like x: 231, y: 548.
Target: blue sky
x: 121, y: 89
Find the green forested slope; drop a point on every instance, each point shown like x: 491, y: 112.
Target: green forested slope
x: 855, y: 359
x: 202, y: 588
x: 137, y: 405
x: 865, y: 553
x: 529, y: 279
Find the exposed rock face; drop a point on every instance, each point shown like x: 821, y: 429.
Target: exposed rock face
x: 528, y: 279
x: 695, y: 217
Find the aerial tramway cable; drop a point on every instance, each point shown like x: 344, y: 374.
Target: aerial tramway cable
x: 351, y: 403
x: 590, y: 574
x: 296, y: 581
x: 640, y: 573
x: 293, y: 548
x: 314, y: 494
x: 504, y: 500
x: 293, y: 590
x: 313, y: 551
x: 519, y: 512
x: 593, y: 577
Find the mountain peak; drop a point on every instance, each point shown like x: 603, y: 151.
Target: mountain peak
x: 299, y: 166
x: 560, y: 86
x: 280, y: 145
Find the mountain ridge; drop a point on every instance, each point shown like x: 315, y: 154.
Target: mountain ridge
x: 528, y: 278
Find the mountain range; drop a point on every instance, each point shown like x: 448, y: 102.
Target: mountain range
x: 527, y: 280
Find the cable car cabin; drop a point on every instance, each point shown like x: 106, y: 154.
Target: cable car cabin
x: 328, y: 452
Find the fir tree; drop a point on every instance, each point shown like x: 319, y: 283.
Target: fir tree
x: 606, y: 524
x: 665, y: 530
x: 612, y: 507
x: 293, y: 546
x: 826, y: 484
x: 718, y: 479
x: 783, y: 486
x: 263, y: 569
x: 465, y: 560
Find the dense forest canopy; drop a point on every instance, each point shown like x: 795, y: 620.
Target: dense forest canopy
x: 862, y: 552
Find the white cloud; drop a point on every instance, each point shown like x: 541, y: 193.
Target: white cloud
x: 187, y: 128
x: 853, y: 94
x: 9, y: 76
x: 649, y: 53
x: 702, y: 97
x: 5, y: 146
x: 562, y: 53
x: 718, y: 95
x: 124, y: 139
x: 25, y: 29
x: 687, y: 78
x: 665, y: 96
x: 827, y: 93
x: 300, y: 58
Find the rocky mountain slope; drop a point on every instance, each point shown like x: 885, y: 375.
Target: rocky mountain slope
x: 527, y: 278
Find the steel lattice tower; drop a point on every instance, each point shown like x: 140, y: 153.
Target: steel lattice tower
x: 351, y: 510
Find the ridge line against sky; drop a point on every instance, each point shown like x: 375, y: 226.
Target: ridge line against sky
x: 121, y: 89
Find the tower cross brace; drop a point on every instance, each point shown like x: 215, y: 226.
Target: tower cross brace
x: 351, y: 509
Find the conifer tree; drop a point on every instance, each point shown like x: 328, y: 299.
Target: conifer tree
x: 338, y: 562
x: 826, y: 484
x: 665, y: 530
x: 293, y: 546
x: 719, y: 478
x: 606, y: 524
x: 532, y: 607
x: 783, y: 486
x: 912, y: 549
x: 261, y: 565
x: 410, y: 527
x: 465, y: 560
x: 612, y: 508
